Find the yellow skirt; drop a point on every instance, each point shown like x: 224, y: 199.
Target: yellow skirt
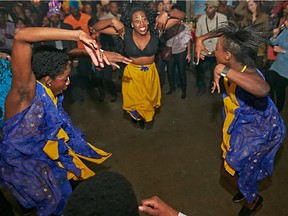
x: 141, y: 91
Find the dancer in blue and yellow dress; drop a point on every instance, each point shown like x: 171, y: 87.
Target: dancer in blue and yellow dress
x: 41, y: 150
x: 253, y: 129
x: 141, y: 89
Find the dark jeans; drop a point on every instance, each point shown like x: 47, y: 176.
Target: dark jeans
x: 161, y: 70
x: 104, y: 79
x: 178, y: 60
x: 208, y: 63
x: 277, y: 85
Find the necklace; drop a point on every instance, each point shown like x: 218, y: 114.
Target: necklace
x: 243, y: 69
x: 208, y: 30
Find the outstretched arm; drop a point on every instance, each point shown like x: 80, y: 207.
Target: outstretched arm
x: 165, y: 21
x: 110, y: 26
x: 199, y: 46
x: 112, y: 57
x: 23, y: 82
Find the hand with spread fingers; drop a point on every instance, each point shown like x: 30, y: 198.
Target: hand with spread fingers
x: 92, y: 49
x: 114, y: 57
x: 156, y: 207
x: 119, y: 27
x: 199, y: 48
x: 161, y: 21
x: 217, y: 76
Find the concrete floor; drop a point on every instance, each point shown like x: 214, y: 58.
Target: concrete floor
x: 179, y: 158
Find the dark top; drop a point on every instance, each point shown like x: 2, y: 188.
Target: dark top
x: 132, y: 49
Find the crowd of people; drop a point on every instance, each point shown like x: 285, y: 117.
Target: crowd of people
x: 54, y: 43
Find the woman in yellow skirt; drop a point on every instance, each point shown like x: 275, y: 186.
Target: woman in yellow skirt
x: 140, y: 84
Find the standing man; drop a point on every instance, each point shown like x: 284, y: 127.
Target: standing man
x: 167, y: 4
x: 79, y: 21
x: 206, y: 23
x: 108, y: 42
x: 7, y: 31
x: 54, y: 15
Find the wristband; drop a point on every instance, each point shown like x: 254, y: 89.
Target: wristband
x: 8, y: 57
x: 225, y: 71
x: 181, y: 214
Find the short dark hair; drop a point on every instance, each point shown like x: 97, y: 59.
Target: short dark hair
x: 49, y: 61
x: 105, y: 194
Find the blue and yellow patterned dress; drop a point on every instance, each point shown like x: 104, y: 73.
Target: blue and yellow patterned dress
x: 252, y: 133
x: 40, y: 151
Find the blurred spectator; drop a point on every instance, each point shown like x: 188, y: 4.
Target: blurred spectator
x: 7, y: 31
x: 27, y: 12
x: 18, y: 12
x: 206, y: 23
x: 153, y: 6
x: 167, y: 4
x: 79, y: 20
x: 20, y: 23
x: 45, y: 21
x: 277, y: 76
x: 277, y: 20
x: 181, y: 55
x: 108, y: 42
x: 160, y: 6
x: 255, y: 16
x: 227, y: 10
x: 100, y: 11
x: 87, y: 9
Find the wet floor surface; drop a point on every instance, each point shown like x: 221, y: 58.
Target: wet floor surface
x: 178, y: 157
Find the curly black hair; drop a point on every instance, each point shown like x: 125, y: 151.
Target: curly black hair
x: 241, y: 42
x: 48, y: 61
x: 129, y: 8
x: 106, y: 193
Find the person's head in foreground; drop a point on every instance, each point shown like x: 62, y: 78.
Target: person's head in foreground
x: 105, y: 194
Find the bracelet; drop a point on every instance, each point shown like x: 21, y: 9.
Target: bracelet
x: 225, y: 71
x: 8, y: 57
x: 284, y: 52
x: 181, y: 214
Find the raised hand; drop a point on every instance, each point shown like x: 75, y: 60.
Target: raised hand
x: 92, y: 49
x: 119, y: 27
x: 161, y: 21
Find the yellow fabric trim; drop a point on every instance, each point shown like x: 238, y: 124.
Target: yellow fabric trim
x: 230, y: 104
x: 51, y: 149
x: 243, y: 69
x: 49, y: 92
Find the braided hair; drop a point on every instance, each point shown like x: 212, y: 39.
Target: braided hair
x: 241, y: 42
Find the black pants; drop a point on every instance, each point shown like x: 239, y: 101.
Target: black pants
x: 5, y: 206
x: 278, y: 86
x: 178, y: 60
x: 208, y: 63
